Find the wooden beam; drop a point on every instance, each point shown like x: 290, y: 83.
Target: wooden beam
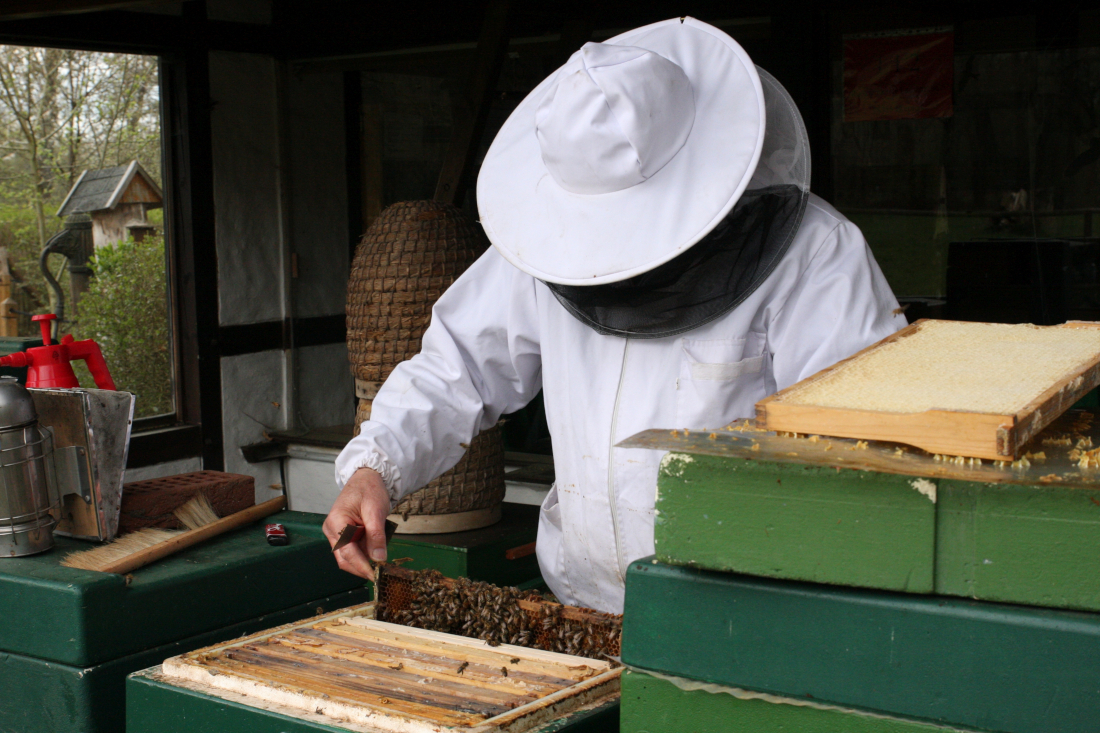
x: 353, y: 155
x: 370, y: 154
x: 39, y: 8
x: 472, y: 107
x: 189, y: 171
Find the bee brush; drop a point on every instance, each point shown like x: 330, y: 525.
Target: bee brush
x: 130, y: 552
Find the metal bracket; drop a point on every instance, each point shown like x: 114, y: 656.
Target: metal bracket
x: 71, y: 472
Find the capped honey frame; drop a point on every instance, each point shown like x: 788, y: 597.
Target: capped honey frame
x: 995, y: 437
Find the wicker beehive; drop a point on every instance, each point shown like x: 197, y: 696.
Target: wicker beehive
x: 410, y: 254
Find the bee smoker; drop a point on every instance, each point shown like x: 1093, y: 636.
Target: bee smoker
x: 29, y: 503
x: 62, y: 457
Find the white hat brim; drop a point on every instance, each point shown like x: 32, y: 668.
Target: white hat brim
x: 578, y: 239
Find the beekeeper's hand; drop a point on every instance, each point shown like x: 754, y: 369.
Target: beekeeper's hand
x: 363, y: 501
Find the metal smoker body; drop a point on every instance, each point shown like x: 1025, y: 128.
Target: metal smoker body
x: 62, y: 458
x: 29, y: 502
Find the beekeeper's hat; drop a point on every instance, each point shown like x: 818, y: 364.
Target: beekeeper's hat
x: 633, y: 151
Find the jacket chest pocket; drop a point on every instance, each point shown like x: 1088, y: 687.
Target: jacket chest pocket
x: 720, y: 380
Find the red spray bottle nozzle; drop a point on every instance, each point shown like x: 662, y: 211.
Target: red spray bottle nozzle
x: 48, y: 365
x: 44, y: 323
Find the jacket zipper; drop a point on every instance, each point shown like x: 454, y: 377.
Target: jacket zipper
x: 611, y: 468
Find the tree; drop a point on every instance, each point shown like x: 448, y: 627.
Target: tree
x: 62, y: 112
x: 126, y: 311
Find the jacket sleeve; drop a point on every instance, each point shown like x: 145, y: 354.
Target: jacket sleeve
x: 479, y: 358
x: 840, y: 305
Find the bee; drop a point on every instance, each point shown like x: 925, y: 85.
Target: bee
x: 514, y: 660
x: 493, y: 642
x: 504, y: 671
x: 462, y: 667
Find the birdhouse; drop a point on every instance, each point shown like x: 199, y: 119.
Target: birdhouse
x: 117, y: 200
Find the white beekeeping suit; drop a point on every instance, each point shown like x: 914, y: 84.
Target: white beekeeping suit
x: 657, y: 262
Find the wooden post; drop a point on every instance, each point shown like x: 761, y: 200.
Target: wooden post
x: 370, y: 130
x: 472, y: 105
x: 9, y: 323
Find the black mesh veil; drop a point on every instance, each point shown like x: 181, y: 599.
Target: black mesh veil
x: 731, y: 261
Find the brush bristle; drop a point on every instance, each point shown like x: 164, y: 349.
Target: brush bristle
x: 196, y: 513
x: 126, y: 545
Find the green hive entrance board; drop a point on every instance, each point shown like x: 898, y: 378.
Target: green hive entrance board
x: 48, y: 697
x: 83, y: 618
x: 988, y: 666
x: 154, y: 706
x: 652, y: 705
x: 828, y: 511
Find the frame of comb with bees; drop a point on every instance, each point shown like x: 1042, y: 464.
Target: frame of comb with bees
x: 427, y: 599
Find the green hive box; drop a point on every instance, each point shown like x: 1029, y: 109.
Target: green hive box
x: 154, y: 706
x: 68, y: 637
x: 652, y: 705
x: 44, y: 696
x: 947, y: 661
x: 1011, y: 542
x: 480, y: 554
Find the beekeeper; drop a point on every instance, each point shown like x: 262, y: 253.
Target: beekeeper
x: 657, y: 262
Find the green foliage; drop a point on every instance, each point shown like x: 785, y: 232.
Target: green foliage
x: 63, y: 112
x: 126, y: 311
x: 19, y: 234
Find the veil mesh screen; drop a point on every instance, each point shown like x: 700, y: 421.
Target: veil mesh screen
x: 705, y: 282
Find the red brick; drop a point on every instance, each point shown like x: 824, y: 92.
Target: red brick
x: 150, y: 503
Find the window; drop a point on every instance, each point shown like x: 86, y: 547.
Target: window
x: 80, y: 179
x: 968, y: 154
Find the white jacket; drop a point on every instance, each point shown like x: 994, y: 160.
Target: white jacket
x: 498, y: 335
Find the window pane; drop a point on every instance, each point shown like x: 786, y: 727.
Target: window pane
x: 80, y: 178
x: 987, y: 200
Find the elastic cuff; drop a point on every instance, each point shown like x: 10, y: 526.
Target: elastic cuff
x: 390, y: 474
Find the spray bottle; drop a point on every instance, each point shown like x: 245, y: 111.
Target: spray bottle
x: 48, y: 365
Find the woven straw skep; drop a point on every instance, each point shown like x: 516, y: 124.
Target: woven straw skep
x: 410, y: 254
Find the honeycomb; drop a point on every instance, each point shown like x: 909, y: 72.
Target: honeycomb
x: 990, y: 368
x: 426, y: 599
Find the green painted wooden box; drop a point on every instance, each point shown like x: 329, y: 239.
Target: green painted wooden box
x: 40, y: 696
x: 84, y: 618
x: 652, y: 705
x: 68, y: 637
x: 1034, y: 544
x: 949, y: 661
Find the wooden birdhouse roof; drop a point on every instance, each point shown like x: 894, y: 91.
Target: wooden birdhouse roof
x: 108, y: 187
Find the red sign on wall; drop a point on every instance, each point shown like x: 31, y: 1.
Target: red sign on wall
x: 897, y: 76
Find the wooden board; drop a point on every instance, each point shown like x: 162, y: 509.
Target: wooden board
x: 948, y: 432
x: 358, y: 671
